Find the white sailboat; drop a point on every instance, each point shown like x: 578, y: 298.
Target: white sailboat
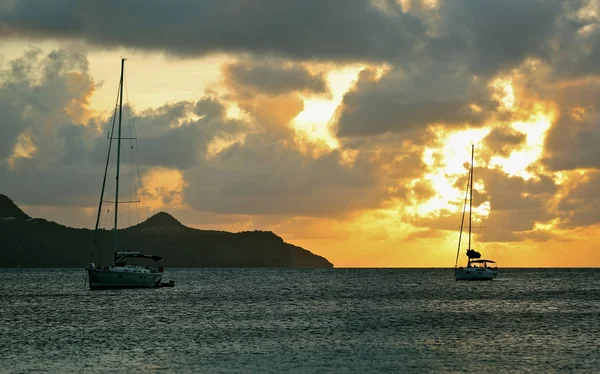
x: 130, y: 269
x: 477, y: 268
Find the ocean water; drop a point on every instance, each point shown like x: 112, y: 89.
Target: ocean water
x: 303, y: 321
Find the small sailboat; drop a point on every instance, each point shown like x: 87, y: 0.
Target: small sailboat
x: 477, y: 268
x: 130, y: 269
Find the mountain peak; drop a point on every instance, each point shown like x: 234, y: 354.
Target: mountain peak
x: 9, y: 209
x: 161, y: 219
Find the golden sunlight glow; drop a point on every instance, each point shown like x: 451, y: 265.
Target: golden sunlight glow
x: 504, y: 93
x: 348, y: 156
x: 588, y: 29
x: 162, y: 187
x: 220, y: 143
x: 518, y: 161
x: 446, y: 163
x: 560, y: 177
x: 423, y: 4
x: 82, y: 92
x: 430, y: 4
x: 314, y: 120
x: 476, y: 108
x: 589, y: 12
x: 455, y: 152
x: 546, y: 226
x: 481, y: 211
x: 316, y: 110
x: 24, y: 148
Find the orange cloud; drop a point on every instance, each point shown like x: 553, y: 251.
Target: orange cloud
x: 162, y: 187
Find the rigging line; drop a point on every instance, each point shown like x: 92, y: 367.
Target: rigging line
x: 129, y: 214
x: 134, y: 156
x: 121, y: 219
x: 104, y: 179
x: 133, y: 187
x: 104, y: 226
x: 119, y: 152
x: 462, y: 221
x: 132, y: 134
x: 106, y: 219
x: 471, y: 193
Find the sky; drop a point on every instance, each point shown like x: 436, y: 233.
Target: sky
x: 343, y: 126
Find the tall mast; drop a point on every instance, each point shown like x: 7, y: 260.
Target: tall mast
x: 462, y: 219
x: 118, y: 153
x: 471, y: 195
x: 110, y: 136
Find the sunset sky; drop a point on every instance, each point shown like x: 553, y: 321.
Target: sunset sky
x: 343, y: 126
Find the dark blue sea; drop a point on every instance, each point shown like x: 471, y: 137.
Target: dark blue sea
x: 303, y: 321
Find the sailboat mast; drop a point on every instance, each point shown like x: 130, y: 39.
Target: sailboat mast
x: 462, y: 219
x: 118, y: 153
x: 471, y: 195
x: 110, y: 136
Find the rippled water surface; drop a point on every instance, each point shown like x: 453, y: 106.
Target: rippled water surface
x: 281, y: 320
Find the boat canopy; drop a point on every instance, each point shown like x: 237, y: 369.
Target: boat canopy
x: 138, y: 255
x: 480, y: 261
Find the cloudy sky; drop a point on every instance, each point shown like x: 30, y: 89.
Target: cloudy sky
x: 345, y: 126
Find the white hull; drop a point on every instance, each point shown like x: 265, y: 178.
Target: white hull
x: 473, y: 273
x: 116, y: 277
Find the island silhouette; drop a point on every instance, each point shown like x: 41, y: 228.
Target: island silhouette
x: 38, y: 243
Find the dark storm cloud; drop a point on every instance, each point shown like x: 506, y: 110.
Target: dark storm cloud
x: 515, y: 193
x: 209, y: 108
x: 510, y: 225
x: 504, y: 33
x: 57, y: 186
x: 37, y: 93
x: 492, y: 34
x: 75, y: 142
x: 581, y: 204
x: 310, y: 29
x: 273, y: 79
x: 71, y: 164
x: 10, y: 122
x: 468, y: 45
x: 573, y: 140
x: 577, y: 42
x: 573, y: 144
x: 516, y: 204
x: 265, y: 176
x: 408, y: 101
x: 171, y: 139
x: 441, y: 59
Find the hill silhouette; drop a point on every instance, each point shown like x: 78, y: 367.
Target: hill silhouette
x: 10, y: 210
x: 34, y: 242
x: 161, y: 219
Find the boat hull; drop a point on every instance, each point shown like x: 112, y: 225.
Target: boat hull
x: 100, y: 279
x: 475, y: 274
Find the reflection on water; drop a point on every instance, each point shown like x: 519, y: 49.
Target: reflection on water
x: 282, y: 320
